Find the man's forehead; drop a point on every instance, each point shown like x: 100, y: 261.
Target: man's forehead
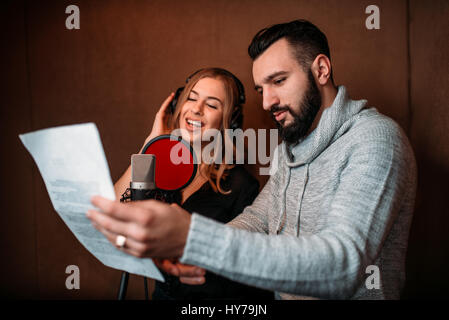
x: 276, y: 58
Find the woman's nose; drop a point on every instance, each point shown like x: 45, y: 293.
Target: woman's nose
x: 197, y: 108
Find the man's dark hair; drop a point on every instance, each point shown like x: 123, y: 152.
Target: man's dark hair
x: 306, y: 40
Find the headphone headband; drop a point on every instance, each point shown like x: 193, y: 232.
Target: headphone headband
x: 238, y: 83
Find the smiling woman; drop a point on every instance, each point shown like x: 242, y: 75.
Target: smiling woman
x: 211, y: 99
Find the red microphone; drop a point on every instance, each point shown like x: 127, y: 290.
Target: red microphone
x: 175, y: 166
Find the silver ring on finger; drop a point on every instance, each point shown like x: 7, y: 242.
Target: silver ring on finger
x: 120, y: 241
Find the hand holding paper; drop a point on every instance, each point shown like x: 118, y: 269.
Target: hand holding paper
x: 74, y: 168
x: 151, y: 228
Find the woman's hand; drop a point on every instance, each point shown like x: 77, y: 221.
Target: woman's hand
x: 160, y: 124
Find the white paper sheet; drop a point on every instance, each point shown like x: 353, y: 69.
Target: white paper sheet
x: 73, y: 165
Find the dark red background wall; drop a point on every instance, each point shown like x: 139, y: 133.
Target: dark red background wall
x: 129, y: 55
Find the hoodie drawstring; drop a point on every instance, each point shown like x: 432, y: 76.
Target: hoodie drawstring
x: 301, y: 196
x: 283, y: 213
x: 283, y: 201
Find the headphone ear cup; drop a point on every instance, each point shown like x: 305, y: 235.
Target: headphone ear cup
x: 174, y: 102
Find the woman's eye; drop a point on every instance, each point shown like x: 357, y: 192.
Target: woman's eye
x: 212, y: 106
x: 191, y: 99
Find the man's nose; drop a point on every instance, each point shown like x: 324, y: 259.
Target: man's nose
x: 270, y: 98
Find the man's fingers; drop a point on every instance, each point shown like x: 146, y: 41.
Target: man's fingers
x: 115, y: 209
x: 154, y: 205
x: 103, y: 221
x: 192, y: 280
x: 136, y: 247
x: 190, y: 271
x: 181, y: 270
x: 140, y: 212
x: 129, y: 230
x: 170, y: 267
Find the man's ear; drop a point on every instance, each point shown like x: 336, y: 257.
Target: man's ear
x: 321, y: 69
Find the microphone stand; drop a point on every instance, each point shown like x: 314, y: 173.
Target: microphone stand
x: 124, y: 286
x: 134, y: 193
x: 126, y: 197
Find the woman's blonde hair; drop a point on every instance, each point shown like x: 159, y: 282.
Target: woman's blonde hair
x: 214, y: 172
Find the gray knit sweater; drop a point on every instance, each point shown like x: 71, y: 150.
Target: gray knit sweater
x: 340, y: 200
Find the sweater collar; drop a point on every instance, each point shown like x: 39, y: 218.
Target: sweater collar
x: 332, y: 119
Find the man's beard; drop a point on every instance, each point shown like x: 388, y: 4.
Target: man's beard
x: 308, y: 109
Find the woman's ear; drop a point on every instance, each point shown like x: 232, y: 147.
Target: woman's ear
x: 321, y: 69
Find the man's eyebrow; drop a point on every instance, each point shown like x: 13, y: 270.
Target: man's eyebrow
x: 274, y: 75
x: 271, y: 77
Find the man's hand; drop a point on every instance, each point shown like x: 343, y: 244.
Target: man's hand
x: 187, y: 274
x: 151, y: 228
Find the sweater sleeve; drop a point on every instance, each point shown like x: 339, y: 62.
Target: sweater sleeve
x: 330, y: 263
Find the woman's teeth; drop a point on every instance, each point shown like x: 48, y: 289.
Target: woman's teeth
x: 194, y: 123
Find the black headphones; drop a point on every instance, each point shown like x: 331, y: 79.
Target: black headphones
x: 237, y: 114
